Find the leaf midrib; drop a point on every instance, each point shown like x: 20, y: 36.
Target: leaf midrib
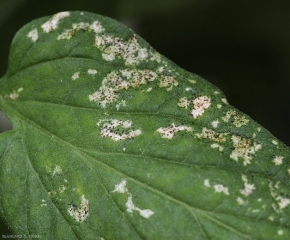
x: 130, y: 154
x: 111, y: 112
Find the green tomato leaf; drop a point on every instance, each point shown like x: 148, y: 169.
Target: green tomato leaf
x: 111, y: 140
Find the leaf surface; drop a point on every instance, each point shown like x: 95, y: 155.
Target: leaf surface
x: 111, y: 140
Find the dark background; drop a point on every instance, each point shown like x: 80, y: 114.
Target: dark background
x: 241, y: 46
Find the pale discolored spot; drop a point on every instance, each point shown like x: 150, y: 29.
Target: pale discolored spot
x: 53, y: 22
x: 215, y: 123
x: 224, y: 100
x: 192, y: 81
x: 80, y: 214
x: 281, y: 201
x: 142, y: 53
x: 149, y: 89
x: 108, y: 56
x: 248, y: 188
x: 113, y: 47
x: 243, y: 149
x: 184, y: 102
x: 278, y: 160
x: 43, y: 204
x: 240, y: 201
x: 215, y: 145
x: 75, y: 76
x: 33, y: 35
x: 255, y: 211
x: 200, y: 104
x: 167, y: 82
x: 109, y: 128
x: 57, y: 170
x: 95, y: 27
x: 130, y: 206
x: 160, y: 69
x: 212, y: 135
x: 145, y: 213
x: 206, y: 183
x: 121, y: 187
x: 274, y: 142
x: 15, y: 94
x: 239, y: 120
x: 219, y: 188
x: 92, y: 71
x: 121, y: 104
x: 155, y: 56
x: 170, y: 131
x: 62, y: 189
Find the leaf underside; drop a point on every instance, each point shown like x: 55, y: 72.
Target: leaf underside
x: 111, y: 140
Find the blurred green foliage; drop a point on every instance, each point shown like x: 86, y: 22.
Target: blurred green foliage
x: 241, y: 46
